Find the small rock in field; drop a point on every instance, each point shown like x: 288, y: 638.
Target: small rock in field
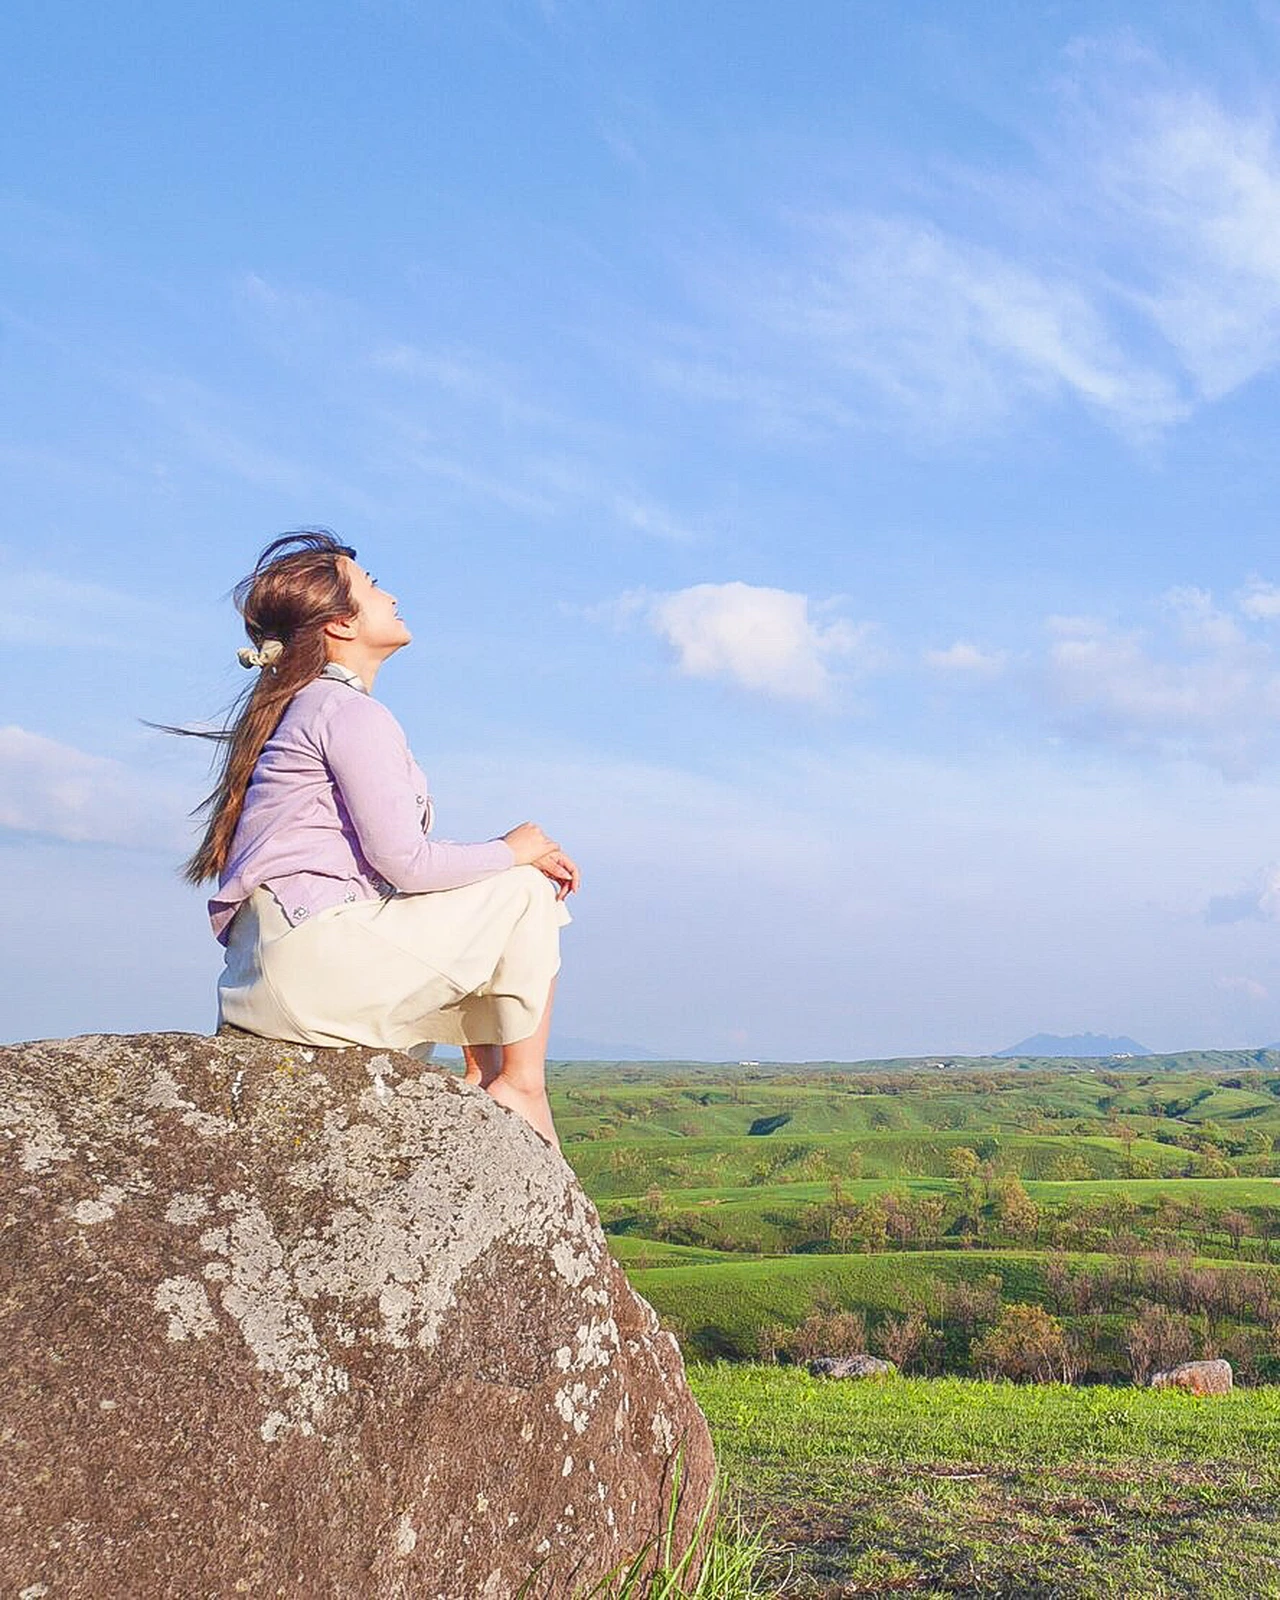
x: 851, y: 1367
x: 1197, y: 1377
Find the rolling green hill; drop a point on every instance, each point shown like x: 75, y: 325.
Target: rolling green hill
x: 745, y: 1200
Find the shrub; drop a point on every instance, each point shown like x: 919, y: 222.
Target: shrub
x: 969, y: 1305
x: 1157, y: 1338
x: 1019, y: 1215
x: 1248, y: 1351
x: 1027, y: 1343
x: 769, y: 1340
x: 828, y: 1333
x: 1236, y: 1224
x: 902, y: 1339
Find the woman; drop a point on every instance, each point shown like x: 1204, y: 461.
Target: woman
x: 344, y: 923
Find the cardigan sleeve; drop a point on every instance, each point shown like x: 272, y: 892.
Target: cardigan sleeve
x: 368, y: 757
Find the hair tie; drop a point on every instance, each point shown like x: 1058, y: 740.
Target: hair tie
x: 270, y: 653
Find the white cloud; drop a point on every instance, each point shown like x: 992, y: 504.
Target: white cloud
x: 1205, y: 690
x: 1250, y: 988
x: 1258, y: 903
x: 1199, y: 620
x: 762, y: 639
x: 1260, y: 601
x: 1189, y: 680
x: 55, y: 790
x: 963, y: 660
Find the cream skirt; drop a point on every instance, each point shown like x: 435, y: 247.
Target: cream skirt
x: 456, y: 966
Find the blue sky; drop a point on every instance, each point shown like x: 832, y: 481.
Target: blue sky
x: 826, y: 454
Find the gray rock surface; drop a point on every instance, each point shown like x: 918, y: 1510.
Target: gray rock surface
x: 1197, y: 1377
x: 281, y: 1321
x: 851, y: 1367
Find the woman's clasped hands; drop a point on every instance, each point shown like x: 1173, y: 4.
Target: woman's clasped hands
x: 532, y: 848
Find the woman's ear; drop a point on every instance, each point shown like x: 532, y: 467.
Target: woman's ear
x: 340, y: 628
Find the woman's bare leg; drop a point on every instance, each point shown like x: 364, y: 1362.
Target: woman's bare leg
x: 484, y: 1063
x: 521, y: 1084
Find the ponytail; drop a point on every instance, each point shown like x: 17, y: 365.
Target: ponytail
x: 296, y: 587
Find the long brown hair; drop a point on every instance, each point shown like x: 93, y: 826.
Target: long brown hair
x: 297, y: 585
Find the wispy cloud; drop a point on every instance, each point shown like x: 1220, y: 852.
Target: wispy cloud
x: 234, y: 437
x: 1134, y: 271
x: 941, y: 327
x: 47, y: 610
x: 449, y: 413
x: 868, y: 321
x: 1195, y: 188
x: 54, y: 790
x: 465, y: 374
x: 646, y: 516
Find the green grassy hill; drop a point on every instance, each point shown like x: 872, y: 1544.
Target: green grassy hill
x: 618, y: 1168
x: 745, y: 1200
x: 719, y: 1308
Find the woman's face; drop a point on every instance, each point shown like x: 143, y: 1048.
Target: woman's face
x: 377, y: 624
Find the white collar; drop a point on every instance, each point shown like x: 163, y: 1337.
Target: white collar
x: 345, y: 675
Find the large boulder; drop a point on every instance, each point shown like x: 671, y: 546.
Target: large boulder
x: 292, y: 1322
x: 1196, y: 1377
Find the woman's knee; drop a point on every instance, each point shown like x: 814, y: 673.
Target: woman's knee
x: 535, y: 883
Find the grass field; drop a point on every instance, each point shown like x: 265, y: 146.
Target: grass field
x: 761, y: 1207
x: 948, y: 1487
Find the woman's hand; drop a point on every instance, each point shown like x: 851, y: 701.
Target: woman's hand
x: 530, y: 845
x: 562, y: 871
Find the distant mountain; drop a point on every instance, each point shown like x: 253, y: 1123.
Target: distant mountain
x: 597, y: 1050
x: 1076, y: 1044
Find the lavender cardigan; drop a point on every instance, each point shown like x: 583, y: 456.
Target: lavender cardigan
x: 338, y: 810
